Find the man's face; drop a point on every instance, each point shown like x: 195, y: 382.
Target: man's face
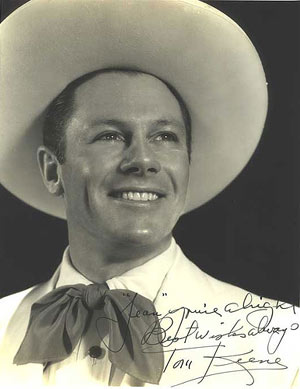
x: 126, y: 171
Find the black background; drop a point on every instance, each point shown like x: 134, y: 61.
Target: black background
x: 249, y: 234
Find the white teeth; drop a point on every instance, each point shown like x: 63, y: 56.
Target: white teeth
x: 145, y: 196
x: 138, y: 196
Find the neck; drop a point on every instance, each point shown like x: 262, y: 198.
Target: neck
x: 99, y: 259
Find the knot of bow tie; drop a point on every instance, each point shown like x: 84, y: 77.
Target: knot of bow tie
x: 60, y: 318
x: 93, y: 295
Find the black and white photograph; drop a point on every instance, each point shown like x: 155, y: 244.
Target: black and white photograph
x: 150, y: 194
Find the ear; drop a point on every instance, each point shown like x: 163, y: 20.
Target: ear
x: 50, y: 171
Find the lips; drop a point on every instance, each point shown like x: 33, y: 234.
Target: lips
x: 134, y: 195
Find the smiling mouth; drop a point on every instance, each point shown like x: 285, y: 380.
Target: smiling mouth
x: 137, y: 196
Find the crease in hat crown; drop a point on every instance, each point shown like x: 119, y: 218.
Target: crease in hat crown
x: 197, y: 49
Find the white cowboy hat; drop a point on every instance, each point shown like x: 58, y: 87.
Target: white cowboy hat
x: 195, y: 48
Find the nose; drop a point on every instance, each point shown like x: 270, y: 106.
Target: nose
x: 140, y: 160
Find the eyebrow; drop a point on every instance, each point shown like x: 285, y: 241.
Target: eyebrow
x: 110, y: 122
x: 166, y: 122
x: 122, y: 124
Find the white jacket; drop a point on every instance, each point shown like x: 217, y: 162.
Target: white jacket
x: 216, y: 335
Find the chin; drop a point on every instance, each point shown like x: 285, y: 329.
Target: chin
x: 143, y: 237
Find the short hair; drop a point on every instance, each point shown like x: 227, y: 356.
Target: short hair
x: 60, y: 110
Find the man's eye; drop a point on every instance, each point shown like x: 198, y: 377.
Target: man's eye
x: 110, y: 137
x: 166, y: 137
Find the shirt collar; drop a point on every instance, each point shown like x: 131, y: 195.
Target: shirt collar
x: 145, y: 279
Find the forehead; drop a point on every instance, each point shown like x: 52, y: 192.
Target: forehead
x: 126, y: 96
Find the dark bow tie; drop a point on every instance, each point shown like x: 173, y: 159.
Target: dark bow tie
x: 59, y: 319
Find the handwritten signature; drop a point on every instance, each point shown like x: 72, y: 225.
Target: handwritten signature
x: 234, y: 321
x: 232, y: 360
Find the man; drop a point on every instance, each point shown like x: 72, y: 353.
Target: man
x: 133, y: 137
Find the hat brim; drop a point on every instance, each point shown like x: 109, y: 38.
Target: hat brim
x: 197, y: 49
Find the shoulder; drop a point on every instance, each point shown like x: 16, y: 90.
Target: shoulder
x: 9, y: 304
x: 194, y: 278
x: 197, y: 284
x: 18, y: 305
x: 15, y: 296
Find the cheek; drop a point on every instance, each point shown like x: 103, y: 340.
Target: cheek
x: 179, y: 168
x: 88, y: 175
x: 75, y: 177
